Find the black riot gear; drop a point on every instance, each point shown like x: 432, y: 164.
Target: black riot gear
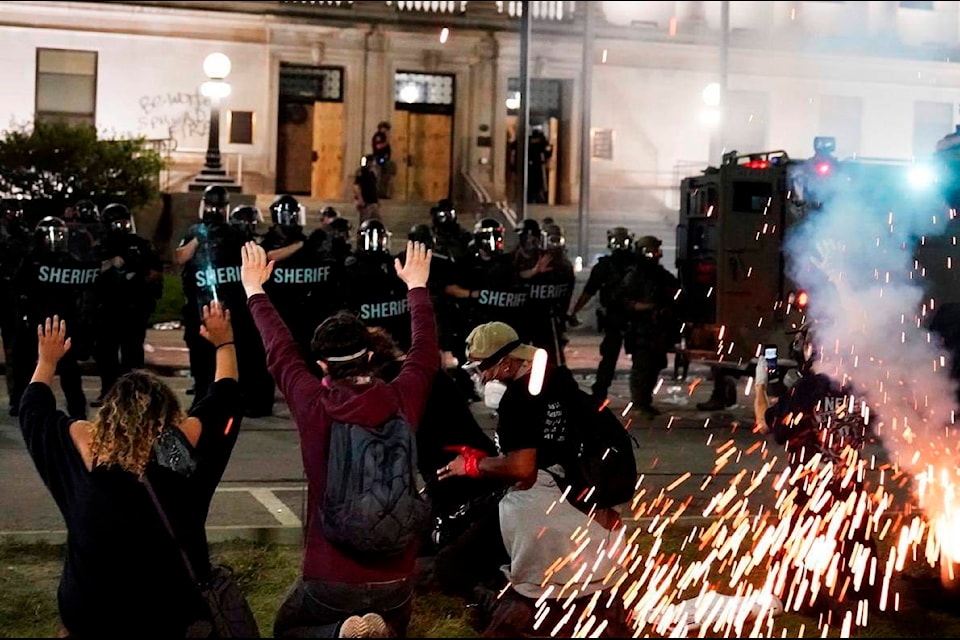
x: 648, y: 247
x: 87, y: 211
x: 373, y: 237
x: 118, y: 219
x: 421, y: 233
x: 530, y: 234
x: 488, y: 236
x: 11, y: 209
x: 246, y: 216
x: 53, y: 233
x: 214, y: 204
x: 443, y: 214
x: 619, y: 239
x: 287, y: 211
x: 328, y: 214
x: 553, y: 236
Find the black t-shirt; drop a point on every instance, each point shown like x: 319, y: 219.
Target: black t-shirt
x: 366, y: 179
x: 537, y: 422
x: 128, y: 285
x: 123, y: 573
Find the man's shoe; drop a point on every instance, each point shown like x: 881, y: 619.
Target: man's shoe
x: 711, y: 405
x: 353, y: 627
x: 376, y: 625
x: 647, y: 413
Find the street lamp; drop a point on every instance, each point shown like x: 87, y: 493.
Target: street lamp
x: 216, y: 66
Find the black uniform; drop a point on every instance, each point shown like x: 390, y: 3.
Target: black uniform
x: 305, y: 286
x: 54, y: 283
x: 127, y: 290
x: 14, y: 248
x: 548, y: 299
x: 650, y: 332
x: 605, y: 279
x: 496, y: 292
x: 374, y: 292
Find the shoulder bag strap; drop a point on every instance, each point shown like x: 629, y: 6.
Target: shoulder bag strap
x: 169, y: 527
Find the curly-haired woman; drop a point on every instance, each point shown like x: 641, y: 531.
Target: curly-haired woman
x: 123, y: 573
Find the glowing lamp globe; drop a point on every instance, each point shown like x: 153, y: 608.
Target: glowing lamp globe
x: 216, y: 66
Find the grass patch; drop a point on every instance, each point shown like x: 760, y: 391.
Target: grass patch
x: 170, y: 304
x: 30, y: 574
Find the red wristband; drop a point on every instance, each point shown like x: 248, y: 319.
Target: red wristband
x: 471, y: 466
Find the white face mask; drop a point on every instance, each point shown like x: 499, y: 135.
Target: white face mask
x: 492, y: 394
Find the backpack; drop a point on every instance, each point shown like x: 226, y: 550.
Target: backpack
x: 372, y: 505
x: 604, y: 474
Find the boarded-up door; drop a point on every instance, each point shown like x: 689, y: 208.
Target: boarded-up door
x: 327, y: 176
x: 421, y: 147
x: 294, y: 148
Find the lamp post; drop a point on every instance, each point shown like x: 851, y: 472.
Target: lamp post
x: 216, y: 66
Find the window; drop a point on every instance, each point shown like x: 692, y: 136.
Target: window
x: 66, y: 86
x: 241, y: 127
x: 601, y: 144
x: 931, y: 122
x: 840, y: 118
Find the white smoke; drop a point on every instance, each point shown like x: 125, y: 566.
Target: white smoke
x: 869, y: 305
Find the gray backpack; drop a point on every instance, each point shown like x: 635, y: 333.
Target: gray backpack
x: 372, y: 505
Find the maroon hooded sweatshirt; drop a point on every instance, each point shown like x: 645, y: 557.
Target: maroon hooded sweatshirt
x: 315, y: 404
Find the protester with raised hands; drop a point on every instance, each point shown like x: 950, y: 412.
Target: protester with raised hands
x: 123, y: 574
x: 340, y: 592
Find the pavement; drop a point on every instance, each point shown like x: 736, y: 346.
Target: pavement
x: 262, y: 495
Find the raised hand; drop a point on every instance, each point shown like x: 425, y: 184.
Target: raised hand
x: 255, y: 269
x: 216, y: 327
x: 416, y: 269
x: 53, y: 342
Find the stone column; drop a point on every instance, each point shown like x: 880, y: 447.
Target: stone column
x: 377, y: 90
x: 486, y: 148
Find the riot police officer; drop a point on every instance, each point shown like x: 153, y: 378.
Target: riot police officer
x: 246, y: 220
x: 450, y: 238
x: 51, y: 281
x: 605, y: 278
x: 304, y: 284
x: 529, y: 248
x: 650, y: 297
x: 488, y: 285
x: 128, y: 288
x: 14, y: 248
x: 195, y: 255
x: 550, y: 289
x: 86, y: 229
x: 373, y: 290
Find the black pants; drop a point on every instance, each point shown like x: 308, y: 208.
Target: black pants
x: 648, y: 362
x: 474, y: 558
x: 68, y: 370
x: 256, y: 383
x: 119, y: 345
x: 201, y: 353
x: 610, y: 348
x: 8, y: 332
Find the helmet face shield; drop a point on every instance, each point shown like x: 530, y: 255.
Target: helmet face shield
x: 374, y: 240
x: 212, y: 213
x: 619, y: 239
x: 53, y: 234
x: 122, y: 225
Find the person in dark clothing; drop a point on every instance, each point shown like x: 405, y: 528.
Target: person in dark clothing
x: 605, y: 278
x: 539, y: 152
x: 54, y: 282
x: 382, y: 157
x: 450, y: 238
x: 650, y: 298
x: 337, y: 594
x: 15, y: 245
x: 128, y: 289
x: 123, y: 573
x: 365, y: 196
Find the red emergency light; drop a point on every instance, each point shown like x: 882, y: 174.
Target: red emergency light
x: 823, y: 168
x: 757, y: 164
x: 802, y: 299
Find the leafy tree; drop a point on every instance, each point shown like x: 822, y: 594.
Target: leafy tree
x: 56, y: 164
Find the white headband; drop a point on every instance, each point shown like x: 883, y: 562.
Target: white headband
x: 352, y: 356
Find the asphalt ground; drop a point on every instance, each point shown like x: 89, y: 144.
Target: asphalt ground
x: 683, y: 454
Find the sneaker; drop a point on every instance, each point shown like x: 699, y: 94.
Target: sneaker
x: 376, y: 626
x: 647, y: 413
x: 353, y: 627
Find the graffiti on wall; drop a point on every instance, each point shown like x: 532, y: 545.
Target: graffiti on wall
x: 182, y: 116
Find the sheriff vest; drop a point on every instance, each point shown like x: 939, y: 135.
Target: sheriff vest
x: 301, y: 275
x: 212, y: 276
x: 389, y: 309
x: 549, y: 291
x: 501, y: 299
x: 68, y: 275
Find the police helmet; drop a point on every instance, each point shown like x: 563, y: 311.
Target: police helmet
x: 649, y: 247
x: 287, y: 211
x: 373, y: 237
x: 341, y: 227
x: 444, y: 214
x: 87, y: 211
x: 530, y: 233
x: 488, y: 235
x: 329, y: 214
x: 118, y: 219
x: 553, y: 236
x: 214, y: 204
x: 11, y: 209
x: 619, y: 239
x: 247, y: 216
x: 421, y: 233
x: 53, y: 233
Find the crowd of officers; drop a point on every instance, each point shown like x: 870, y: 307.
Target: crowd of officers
x: 91, y: 268
x: 318, y: 272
